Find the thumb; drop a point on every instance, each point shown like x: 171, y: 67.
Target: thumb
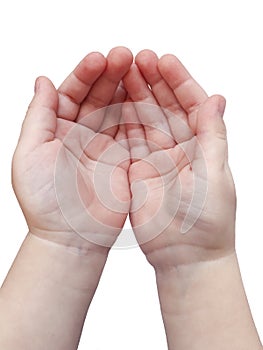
x: 40, y: 122
x: 210, y: 117
x: 211, y: 130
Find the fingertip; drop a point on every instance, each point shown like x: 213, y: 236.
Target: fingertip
x: 221, y: 104
x: 166, y: 61
x: 217, y: 103
x: 45, y: 93
x: 39, y: 83
x: 120, y: 54
x: 96, y: 60
x: 166, y: 58
x: 40, y: 121
x: 163, y: 64
x: 43, y: 80
x: 165, y: 55
x: 210, y: 117
x: 95, y: 54
x: 145, y: 56
x: 92, y: 64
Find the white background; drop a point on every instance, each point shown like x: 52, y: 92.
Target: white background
x: 221, y: 44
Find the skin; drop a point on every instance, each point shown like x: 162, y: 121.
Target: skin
x: 57, y: 269
x: 58, y: 136
x: 201, y: 294
x: 194, y: 147
x: 165, y: 150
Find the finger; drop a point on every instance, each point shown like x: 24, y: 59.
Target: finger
x: 147, y: 62
x: 187, y: 91
x: 211, y: 130
x: 41, y: 119
x: 150, y: 114
x: 110, y: 124
x: 118, y: 63
x: 78, y: 84
x: 135, y: 132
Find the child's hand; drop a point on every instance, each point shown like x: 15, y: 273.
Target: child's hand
x: 61, y: 149
x: 183, y: 206
x: 179, y: 157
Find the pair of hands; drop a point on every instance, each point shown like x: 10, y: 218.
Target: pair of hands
x: 119, y: 137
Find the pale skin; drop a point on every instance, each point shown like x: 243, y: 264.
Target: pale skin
x: 57, y: 270
x: 201, y: 293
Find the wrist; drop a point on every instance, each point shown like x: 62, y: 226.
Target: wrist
x: 75, y: 259
x: 62, y: 267
x: 53, y: 285
x: 205, y: 303
x: 177, y: 283
x: 72, y: 242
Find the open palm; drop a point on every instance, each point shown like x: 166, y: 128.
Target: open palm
x: 183, y: 198
x: 70, y: 150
